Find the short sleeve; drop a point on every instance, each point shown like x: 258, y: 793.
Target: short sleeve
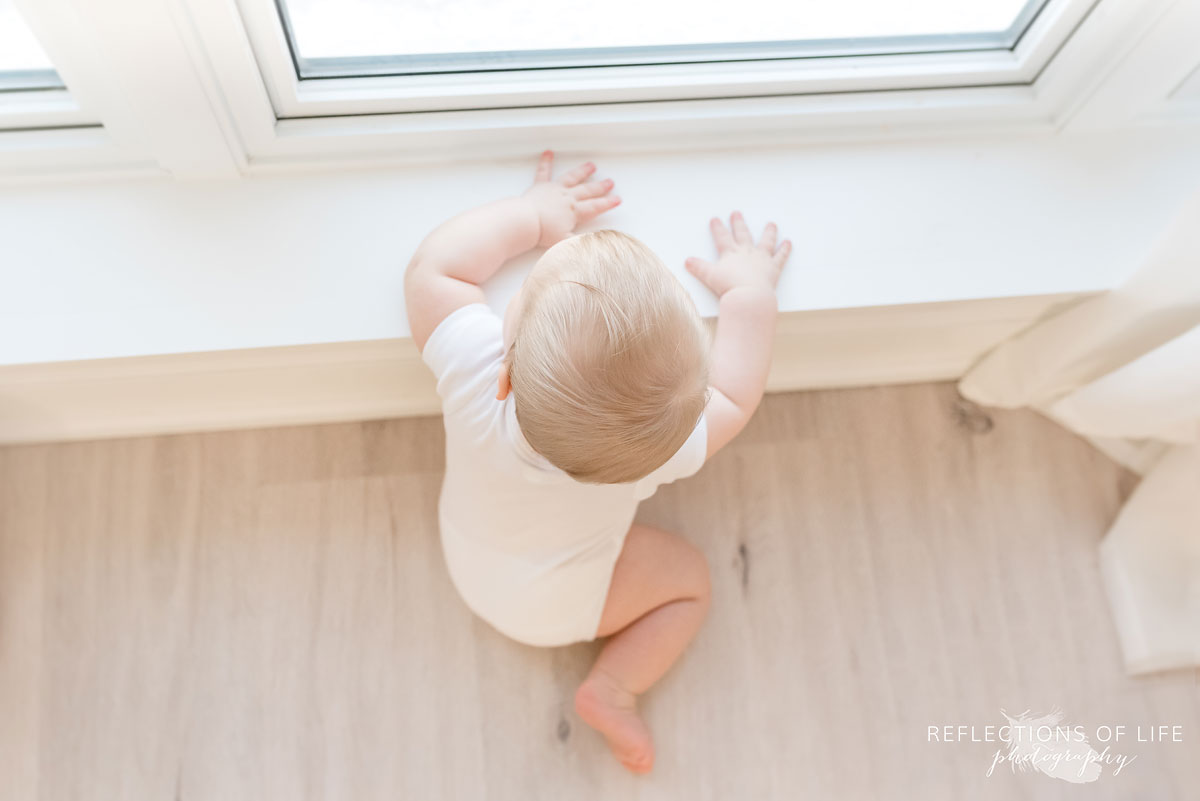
x: 686, y: 461
x: 464, y: 352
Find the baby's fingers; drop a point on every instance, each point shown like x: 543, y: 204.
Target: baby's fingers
x: 720, y: 235
x: 577, y: 175
x: 587, y: 209
x: 769, y: 236
x: 781, y: 256
x: 699, y: 268
x: 591, y: 189
x: 741, y: 231
x: 545, y: 167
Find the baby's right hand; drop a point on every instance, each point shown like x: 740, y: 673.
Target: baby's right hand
x: 740, y: 262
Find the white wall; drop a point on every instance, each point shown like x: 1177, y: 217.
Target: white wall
x: 155, y: 267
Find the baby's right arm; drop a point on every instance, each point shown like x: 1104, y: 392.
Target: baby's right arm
x: 744, y: 279
x: 463, y: 252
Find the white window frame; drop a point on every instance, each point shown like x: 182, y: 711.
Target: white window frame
x: 142, y: 86
x: 39, y: 101
x: 59, y: 133
x: 32, y: 99
x: 293, y: 97
x: 200, y: 89
x: 1033, y: 88
x: 27, y: 109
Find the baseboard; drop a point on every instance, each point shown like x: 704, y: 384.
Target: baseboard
x: 385, y: 378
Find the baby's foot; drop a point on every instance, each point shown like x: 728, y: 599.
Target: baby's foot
x: 612, y: 711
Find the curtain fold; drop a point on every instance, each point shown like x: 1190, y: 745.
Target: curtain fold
x: 1123, y: 369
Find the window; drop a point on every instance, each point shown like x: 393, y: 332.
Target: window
x: 198, y: 87
x: 23, y: 63
x: 32, y: 94
x: 324, y: 58
x: 344, y: 38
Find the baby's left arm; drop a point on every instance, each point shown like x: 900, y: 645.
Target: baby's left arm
x: 463, y: 252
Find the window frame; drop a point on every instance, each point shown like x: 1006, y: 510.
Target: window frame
x: 51, y: 133
x: 31, y: 109
x: 127, y: 120
x: 33, y: 99
x: 293, y: 97
x: 351, y: 135
x: 680, y: 54
x: 207, y: 110
x: 29, y: 80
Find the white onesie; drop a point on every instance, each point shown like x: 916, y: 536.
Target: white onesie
x: 530, y: 549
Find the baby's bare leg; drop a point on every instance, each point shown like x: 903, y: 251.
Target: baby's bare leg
x: 656, y: 602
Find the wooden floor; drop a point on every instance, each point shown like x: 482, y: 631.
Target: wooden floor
x: 265, y: 615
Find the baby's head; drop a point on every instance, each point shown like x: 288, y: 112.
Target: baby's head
x: 607, y: 359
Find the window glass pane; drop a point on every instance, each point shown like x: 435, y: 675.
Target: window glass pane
x: 23, y: 63
x: 398, y: 36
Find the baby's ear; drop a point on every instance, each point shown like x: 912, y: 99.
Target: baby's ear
x: 503, y: 386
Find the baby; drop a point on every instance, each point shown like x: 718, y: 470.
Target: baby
x: 599, y: 385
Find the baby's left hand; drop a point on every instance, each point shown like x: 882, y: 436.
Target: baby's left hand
x: 569, y: 201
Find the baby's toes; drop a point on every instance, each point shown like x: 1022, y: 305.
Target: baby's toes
x: 639, y: 758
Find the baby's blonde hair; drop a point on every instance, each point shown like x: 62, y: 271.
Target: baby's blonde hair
x: 609, y: 364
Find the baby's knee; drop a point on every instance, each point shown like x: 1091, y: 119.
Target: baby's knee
x: 700, y: 575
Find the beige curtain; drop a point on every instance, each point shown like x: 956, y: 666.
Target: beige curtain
x: 1123, y: 369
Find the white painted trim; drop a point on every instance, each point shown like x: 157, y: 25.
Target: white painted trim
x: 446, y: 92
x: 233, y: 73
x: 185, y: 90
x: 1054, y: 68
x: 648, y: 127
x: 293, y: 97
x: 260, y: 83
x: 1152, y: 56
x: 130, y: 65
x: 385, y: 378
x: 42, y: 108
x: 45, y: 156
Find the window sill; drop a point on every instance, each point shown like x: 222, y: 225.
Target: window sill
x: 98, y: 271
